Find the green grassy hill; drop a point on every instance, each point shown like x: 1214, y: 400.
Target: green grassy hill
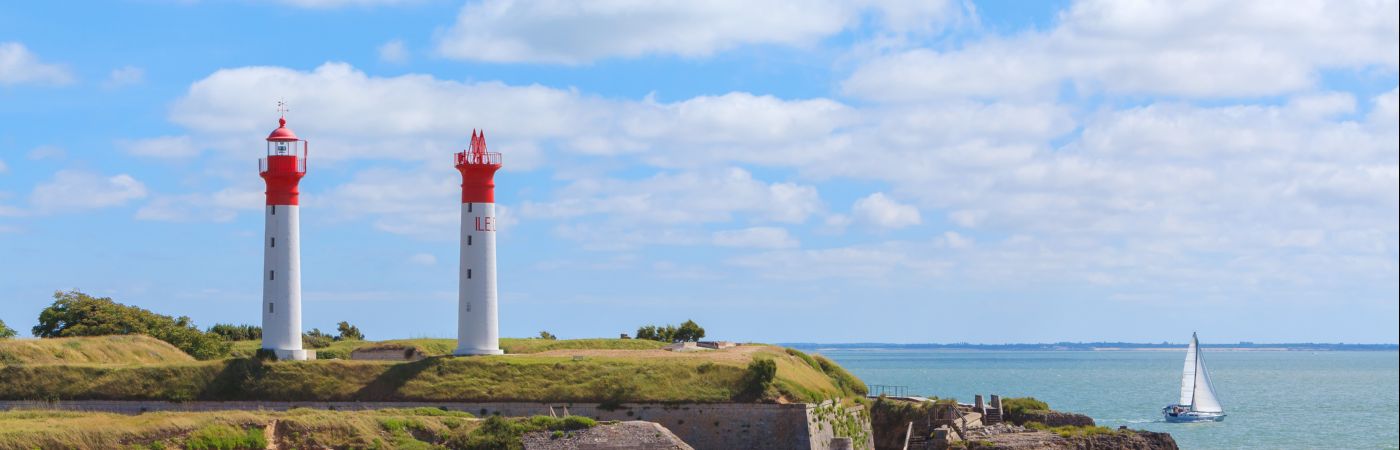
x: 588, y: 374
x: 126, y: 349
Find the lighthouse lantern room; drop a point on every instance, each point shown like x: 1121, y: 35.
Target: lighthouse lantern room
x: 478, y: 332
x: 282, y: 169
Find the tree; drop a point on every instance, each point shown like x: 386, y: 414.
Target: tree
x: 349, y: 332
x: 5, y: 331
x: 547, y: 336
x: 236, y: 332
x: 74, y: 313
x: 689, y: 331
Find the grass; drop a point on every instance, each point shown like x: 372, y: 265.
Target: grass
x: 1070, y: 431
x: 439, y: 347
x: 298, y: 428
x: 716, y: 376
x: 125, y: 349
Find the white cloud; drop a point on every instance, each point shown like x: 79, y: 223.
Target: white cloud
x: 71, y: 190
x: 687, y: 198
x: 755, y: 237
x: 1198, y: 49
x: 219, y: 206
x: 393, y: 52
x: 558, y: 31
x: 124, y: 76
x: 19, y: 66
x: 423, y: 259
x: 953, y: 240
x: 884, y: 212
x: 43, y: 152
x: 161, y: 147
x: 566, y: 32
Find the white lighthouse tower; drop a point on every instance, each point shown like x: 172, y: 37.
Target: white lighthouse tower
x: 478, y: 332
x: 282, y: 169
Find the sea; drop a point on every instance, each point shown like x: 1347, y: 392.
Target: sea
x: 1274, y: 399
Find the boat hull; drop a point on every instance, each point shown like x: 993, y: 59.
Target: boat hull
x: 1190, y: 416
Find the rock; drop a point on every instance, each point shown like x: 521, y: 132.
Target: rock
x: 633, y: 434
x: 1016, y: 438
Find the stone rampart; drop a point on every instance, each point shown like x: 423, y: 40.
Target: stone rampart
x: 718, y: 426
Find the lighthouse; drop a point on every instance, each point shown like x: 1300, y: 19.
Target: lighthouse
x: 478, y: 332
x: 282, y: 169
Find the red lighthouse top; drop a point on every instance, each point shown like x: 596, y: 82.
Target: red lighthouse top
x: 478, y: 168
x: 282, y: 133
x: 284, y: 165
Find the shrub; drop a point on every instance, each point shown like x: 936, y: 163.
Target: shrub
x: 5, y: 331
x: 236, y: 332
x: 571, y: 423
x: 224, y: 437
x: 759, y: 376
x: 348, y: 332
x: 547, y: 336
x: 1023, y: 409
x: 316, y: 339
x: 74, y: 313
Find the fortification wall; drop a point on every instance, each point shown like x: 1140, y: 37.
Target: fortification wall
x: 718, y: 426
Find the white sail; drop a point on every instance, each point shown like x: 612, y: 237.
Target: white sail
x: 1203, y: 399
x: 1188, y: 374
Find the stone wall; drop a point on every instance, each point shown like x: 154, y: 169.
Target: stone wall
x: 718, y: 426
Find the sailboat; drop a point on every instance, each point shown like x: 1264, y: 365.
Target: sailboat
x: 1198, y: 402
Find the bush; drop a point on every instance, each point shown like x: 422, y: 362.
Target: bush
x: 224, y: 437
x: 74, y: 313
x: 5, y: 331
x: 348, y: 332
x: 236, y: 332
x: 759, y: 376
x: 316, y: 339
x: 547, y: 336
x: 1022, y: 405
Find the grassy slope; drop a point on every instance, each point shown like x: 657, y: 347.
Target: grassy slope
x: 307, y: 428
x: 129, y: 349
x: 655, y: 377
x: 436, y: 347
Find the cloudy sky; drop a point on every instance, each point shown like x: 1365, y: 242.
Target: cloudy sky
x: 869, y: 170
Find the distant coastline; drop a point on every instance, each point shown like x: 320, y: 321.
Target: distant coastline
x: 1101, y: 346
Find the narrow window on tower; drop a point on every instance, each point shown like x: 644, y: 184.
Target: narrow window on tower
x: 469, y: 239
x: 469, y: 274
x: 269, y: 307
x: 272, y: 274
x: 469, y: 207
x: 274, y: 241
x: 274, y: 209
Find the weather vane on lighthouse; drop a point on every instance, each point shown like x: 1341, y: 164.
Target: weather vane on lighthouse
x: 282, y: 108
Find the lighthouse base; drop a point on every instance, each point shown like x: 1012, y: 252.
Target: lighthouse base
x: 477, y: 352
x: 294, y: 355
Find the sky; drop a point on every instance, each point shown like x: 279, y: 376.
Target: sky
x: 776, y: 170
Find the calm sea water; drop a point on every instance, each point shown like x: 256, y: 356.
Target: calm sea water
x: 1275, y: 400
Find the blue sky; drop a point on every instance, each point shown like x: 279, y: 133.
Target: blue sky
x: 876, y: 170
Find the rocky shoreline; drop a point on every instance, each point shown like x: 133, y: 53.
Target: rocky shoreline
x: 1017, y: 424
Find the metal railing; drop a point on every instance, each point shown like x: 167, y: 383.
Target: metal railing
x: 487, y: 158
x: 877, y: 390
x: 300, y: 152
